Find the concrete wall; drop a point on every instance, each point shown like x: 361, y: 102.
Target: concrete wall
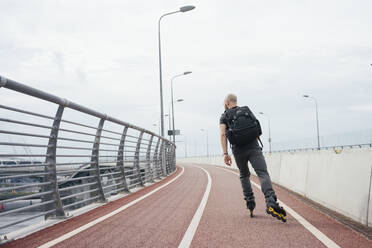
x: 339, y: 180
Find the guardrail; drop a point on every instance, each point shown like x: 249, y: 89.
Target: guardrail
x: 335, y: 148
x: 70, y: 163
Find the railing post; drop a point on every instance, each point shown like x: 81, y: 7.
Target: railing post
x: 167, y: 158
x: 148, y: 158
x: 162, y: 158
x: 136, y: 158
x: 2, y: 81
x: 95, y: 160
x: 170, y: 158
x: 156, y: 158
x: 50, y: 167
x: 120, y: 158
x: 173, y: 158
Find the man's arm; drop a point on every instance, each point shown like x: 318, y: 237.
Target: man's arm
x: 223, y: 138
x: 227, y: 158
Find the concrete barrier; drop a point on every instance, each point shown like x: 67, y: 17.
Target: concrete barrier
x: 337, y: 179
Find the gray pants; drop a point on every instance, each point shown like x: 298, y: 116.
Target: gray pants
x: 257, y: 160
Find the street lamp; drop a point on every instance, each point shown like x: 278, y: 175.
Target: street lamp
x: 180, y: 100
x: 182, y: 9
x: 206, y: 131
x: 268, y: 119
x: 317, y: 119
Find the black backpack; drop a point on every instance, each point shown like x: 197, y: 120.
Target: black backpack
x: 243, y: 128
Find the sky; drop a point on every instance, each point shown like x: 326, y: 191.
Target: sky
x: 104, y: 55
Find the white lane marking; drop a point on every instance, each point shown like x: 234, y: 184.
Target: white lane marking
x: 96, y: 221
x: 318, y: 234
x: 190, y: 232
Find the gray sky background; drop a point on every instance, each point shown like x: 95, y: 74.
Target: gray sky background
x: 103, y: 54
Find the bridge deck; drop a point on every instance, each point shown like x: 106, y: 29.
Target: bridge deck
x: 160, y: 216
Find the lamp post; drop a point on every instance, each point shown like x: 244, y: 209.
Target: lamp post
x: 317, y: 118
x: 179, y: 75
x: 169, y: 123
x: 206, y: 131
x: 182, y: 9
x: 169, y: 115
x: 268, y: 119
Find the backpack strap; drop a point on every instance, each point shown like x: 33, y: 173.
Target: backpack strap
x: 231, y: 117
x: 260, y: 142
x: 250, y: 113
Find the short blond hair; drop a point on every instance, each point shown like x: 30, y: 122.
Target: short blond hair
x: 232, y: 98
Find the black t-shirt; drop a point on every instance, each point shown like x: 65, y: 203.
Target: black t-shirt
x: 226, y: 118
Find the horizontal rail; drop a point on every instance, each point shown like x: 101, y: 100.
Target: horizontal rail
x: 25, y: 197
x: 22, y: 144
x: 26, y: 112
x: 113, y: 179
x: 77, y: 186
x: 80, y: 202
x: 114, y: 190
x: 77, y: 194
x: 112, y: 185
x: 109, y: 174
x: 78, y: 124
x: 134, y: 185
x: 24, y: 134
x: 23, y: 155
x: 75, y: 179
x: 17, y: 166
x: 25, y: 123
x: 23, y: 186
x: 72, y: 171
x: 28, y: 218
x: 25, y: 208
x: 24, y: 175
x: 76, y: 140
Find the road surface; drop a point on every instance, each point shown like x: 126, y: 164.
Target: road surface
x: 198, y: 206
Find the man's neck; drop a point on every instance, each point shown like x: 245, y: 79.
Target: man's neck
x: 233, y: 106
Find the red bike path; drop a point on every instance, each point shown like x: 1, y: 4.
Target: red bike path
x: 162, y: 218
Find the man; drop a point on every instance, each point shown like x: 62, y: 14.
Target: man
x: 252, y: 152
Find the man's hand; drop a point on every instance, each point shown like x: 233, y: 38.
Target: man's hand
x: 227, y: 160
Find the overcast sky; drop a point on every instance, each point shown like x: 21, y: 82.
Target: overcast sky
x: 104, y: 55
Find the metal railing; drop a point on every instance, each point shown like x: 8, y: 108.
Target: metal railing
x: 67, y: 163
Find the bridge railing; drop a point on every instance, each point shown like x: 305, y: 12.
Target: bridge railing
x: 53, y: 163
x: 337, y: 148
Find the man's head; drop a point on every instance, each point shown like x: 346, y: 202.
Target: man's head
x: 230, y: 101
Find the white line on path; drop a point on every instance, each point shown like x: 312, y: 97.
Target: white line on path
x: 318, y: 234
x: 190, y: 232
x: 100, y: 219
